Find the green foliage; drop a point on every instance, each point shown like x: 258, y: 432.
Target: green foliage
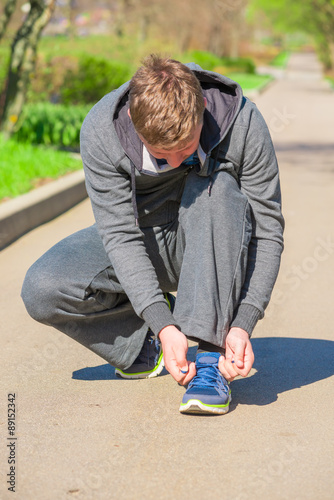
x: 313, y: 17
x: 206, y: 60
x: 4, y: 63
x: 283, y: 15
x: 330, y: 81
x: 94, y: 78
x: 281, y: 60
x: 250, y: 83
x: 21, y: 165
x: 52, y: 124
x: 210, y: 62
x: 109, y: 47
x: 60, y: 56
x: 240, y: 64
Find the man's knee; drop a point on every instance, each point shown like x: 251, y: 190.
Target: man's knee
x: 38, y: 293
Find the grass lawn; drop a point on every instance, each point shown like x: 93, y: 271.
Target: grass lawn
x: 330, y: 79
x: 250, y: 83
x: 23, y: 165
x: 281, y: 60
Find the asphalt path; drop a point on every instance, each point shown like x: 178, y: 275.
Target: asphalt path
x: 80, y: 433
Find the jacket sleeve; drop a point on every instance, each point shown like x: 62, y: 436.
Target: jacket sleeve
x: 259, y: 181
x: 110, y: 193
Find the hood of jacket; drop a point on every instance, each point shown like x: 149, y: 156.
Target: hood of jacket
x: 224, y: 99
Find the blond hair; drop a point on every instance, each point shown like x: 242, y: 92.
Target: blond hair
x: 166, y: 102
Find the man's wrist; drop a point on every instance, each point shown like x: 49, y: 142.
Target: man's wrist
x: 240, y: 332
x: 158, y: 316
x: 246, y: 317
x: 167, y: 330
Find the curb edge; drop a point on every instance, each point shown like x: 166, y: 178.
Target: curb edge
x: 26, y: 212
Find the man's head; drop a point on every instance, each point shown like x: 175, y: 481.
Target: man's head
x: 166, y: 104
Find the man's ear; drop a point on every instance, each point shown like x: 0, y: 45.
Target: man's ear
x: 205, y: 102
x: 130, y: 113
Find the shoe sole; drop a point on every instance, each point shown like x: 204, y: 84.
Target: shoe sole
x: 196, y: 407
x: 149, y: 374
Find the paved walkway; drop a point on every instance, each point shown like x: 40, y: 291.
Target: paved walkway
x: 82, y: 434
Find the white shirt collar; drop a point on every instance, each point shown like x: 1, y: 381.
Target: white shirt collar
x: 151, y: 166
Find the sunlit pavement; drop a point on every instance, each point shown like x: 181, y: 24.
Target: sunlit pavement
x: 83, y: 434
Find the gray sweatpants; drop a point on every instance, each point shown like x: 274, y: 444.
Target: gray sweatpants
x: 202, y: 254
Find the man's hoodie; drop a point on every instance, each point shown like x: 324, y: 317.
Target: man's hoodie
x: 128, y: 192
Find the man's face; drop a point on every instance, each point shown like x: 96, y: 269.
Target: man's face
x: 175, y: 156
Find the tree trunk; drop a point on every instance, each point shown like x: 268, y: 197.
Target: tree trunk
x: 144, y: 25
x: 72, y: 4
x: 22, y: 62
x: 123, y: 8
x: 5, y: 17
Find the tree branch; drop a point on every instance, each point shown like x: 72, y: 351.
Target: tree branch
x: 5, y: 17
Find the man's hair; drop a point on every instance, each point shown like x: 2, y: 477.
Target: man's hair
x: 166, y: 102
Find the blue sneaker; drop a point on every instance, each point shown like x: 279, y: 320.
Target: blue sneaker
x: 150, y: 362
x: 208, y: 392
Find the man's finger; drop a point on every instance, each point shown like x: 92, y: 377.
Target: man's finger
x: 189, y: 375
x: 174, y: 370
x: 227, y: 369
x: 248, y: 361
x: 181, y: 360
x: 239, y: 354
x: 183, y: 376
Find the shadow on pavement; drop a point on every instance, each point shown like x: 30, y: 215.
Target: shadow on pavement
x: 107, y: 372
x: 306, y: 148
x: 281, y: 364
x: 314, y: 156
x: 101, y: 372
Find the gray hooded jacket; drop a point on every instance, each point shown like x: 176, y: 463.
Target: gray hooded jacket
x: 122, y: 190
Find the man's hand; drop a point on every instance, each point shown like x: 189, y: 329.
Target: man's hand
x: 175, y: 348
x: 239, y: 356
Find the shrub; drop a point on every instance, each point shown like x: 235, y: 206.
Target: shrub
x: 206, y: 60
x: 240, y: 64
x: 48, y: 78
x: 210, y: 62
x: 94, y: 78
x: 52, y: 124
